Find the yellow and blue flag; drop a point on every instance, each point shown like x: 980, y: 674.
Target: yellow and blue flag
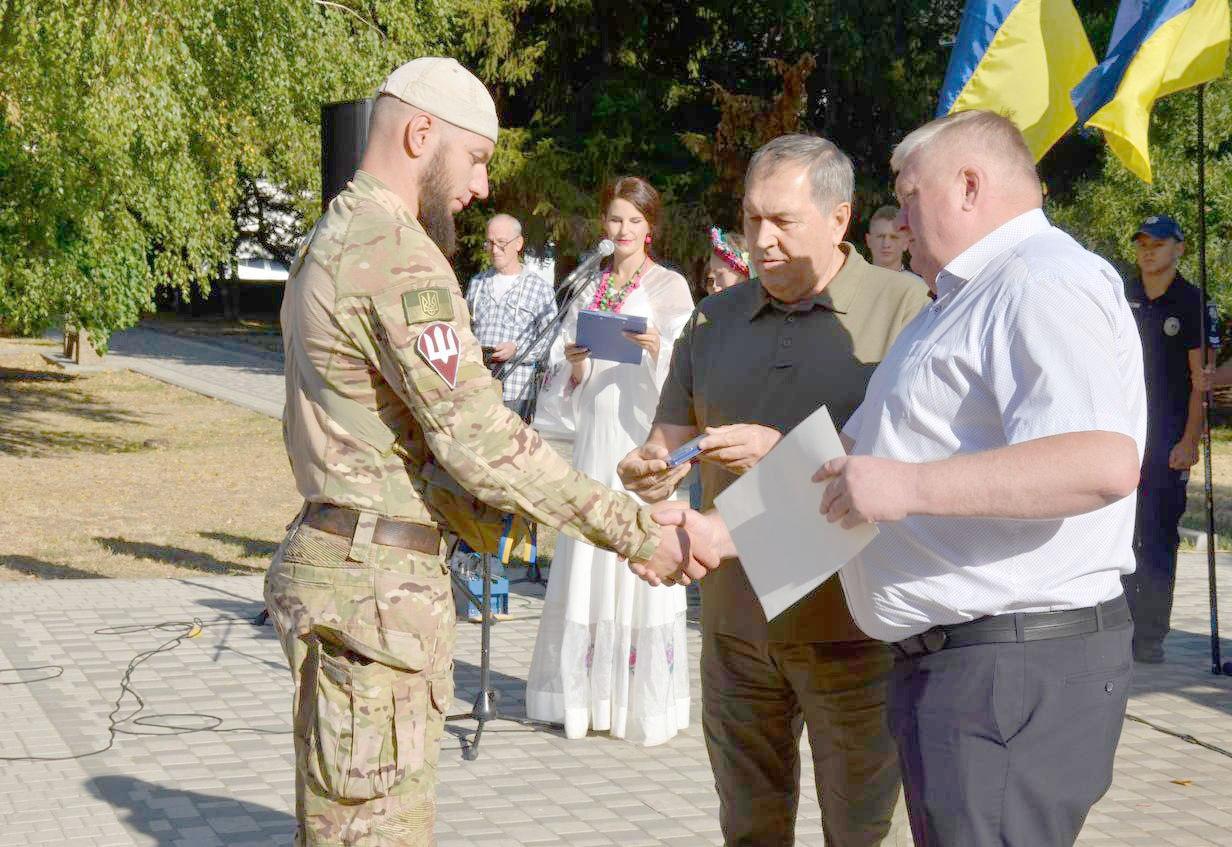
x: 1019, y: 58
x: 1158, y: 47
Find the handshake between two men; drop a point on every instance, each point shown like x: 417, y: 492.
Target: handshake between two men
x: 859, y: 490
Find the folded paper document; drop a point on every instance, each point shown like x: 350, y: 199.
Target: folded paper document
x: 786, y: 545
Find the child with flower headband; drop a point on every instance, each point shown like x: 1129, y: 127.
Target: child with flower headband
x: 728, y: 263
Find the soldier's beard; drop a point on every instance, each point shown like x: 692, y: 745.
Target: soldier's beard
x: 434, y: 211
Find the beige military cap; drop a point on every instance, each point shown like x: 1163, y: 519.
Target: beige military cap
x: 444, y: 88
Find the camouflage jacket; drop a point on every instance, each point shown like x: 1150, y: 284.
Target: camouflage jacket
x: 389, y: 406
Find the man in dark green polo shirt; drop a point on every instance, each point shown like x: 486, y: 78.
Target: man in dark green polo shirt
x: 755, y: 361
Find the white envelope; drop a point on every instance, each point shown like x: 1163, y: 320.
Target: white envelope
x: 786, y: 546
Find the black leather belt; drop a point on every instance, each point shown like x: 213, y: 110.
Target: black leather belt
x: 1017, y: 628
x: 339, y: 520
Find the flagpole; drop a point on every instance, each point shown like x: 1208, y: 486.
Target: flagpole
x: 1216, y: 665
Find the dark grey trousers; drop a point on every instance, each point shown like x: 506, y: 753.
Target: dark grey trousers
x: 1149, y: 589
x: 1009, y: 745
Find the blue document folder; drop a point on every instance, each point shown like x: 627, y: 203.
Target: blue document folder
x: 600, y: 332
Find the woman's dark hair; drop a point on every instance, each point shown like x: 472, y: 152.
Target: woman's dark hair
x: 639, y: 192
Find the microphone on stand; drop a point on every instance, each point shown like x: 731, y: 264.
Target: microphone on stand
x: 571, y: 287
x: 585, y: 267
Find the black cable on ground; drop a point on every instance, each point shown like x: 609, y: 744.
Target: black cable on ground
x: 57, y: 671
x: 192, y: 629
x: 1181, y: 735
x: 169, y: 722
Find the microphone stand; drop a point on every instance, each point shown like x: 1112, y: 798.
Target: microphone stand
x: 485, y: 708
x: 574, y: 285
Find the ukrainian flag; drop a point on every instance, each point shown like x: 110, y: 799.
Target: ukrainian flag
x: 1019, y: 58
x: 1158, y: 47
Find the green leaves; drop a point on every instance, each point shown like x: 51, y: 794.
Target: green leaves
x: 1104, y: 207
x: 132, y: 134
x: 139, y: 140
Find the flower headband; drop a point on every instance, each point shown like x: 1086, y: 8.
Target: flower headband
x: 737, y: 260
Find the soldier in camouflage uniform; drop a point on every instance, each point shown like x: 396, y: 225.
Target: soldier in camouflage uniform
x: 394, y: 427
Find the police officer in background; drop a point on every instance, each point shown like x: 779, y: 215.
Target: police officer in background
x: 394, y: 428
x: 1169, y: 314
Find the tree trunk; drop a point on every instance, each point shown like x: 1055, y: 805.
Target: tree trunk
x: 78, y: 348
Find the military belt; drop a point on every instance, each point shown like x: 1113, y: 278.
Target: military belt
x: 339, y: 520
x: 1019, y: 628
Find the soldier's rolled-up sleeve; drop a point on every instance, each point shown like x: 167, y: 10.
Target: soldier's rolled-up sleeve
x: 474, y: 438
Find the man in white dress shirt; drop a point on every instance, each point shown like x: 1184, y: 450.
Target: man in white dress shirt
x: 998, y: 448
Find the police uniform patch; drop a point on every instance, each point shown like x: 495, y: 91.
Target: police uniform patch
x: 1172, y: 326
x: 439, y: 346
x: 428, y: 304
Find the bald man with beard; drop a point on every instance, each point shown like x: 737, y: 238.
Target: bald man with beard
x: 395, y: 430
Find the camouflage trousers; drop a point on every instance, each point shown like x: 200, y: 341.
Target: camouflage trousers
x: 369, y: 634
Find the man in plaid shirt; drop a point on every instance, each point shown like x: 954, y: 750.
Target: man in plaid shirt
x: 510, y: 305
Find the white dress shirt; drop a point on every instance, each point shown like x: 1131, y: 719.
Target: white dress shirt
x: 1030, y: 337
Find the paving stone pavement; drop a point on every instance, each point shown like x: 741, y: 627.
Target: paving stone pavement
x: 234, y: 785
x: 227, y: 370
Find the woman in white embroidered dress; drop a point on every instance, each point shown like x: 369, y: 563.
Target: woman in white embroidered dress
x: 611, y: 654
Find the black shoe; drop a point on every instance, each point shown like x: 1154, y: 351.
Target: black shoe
x: 1149, y: 654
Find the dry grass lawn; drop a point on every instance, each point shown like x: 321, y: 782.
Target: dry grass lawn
x: 117, y: 475
x: 1221, y: 473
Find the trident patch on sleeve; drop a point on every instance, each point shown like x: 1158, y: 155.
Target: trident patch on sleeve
x: 439, y: 346
x: 428, y: 304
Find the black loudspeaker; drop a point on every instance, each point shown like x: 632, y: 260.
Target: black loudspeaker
x: 344, y: 132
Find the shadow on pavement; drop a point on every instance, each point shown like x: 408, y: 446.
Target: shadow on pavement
x: 237, y: 617
x: 175, y: 349
x: 1187, y: 672
x: 510, y: 693
x: 173, y: 817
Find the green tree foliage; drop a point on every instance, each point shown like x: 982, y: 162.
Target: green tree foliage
x: 746, y: 123
x: 138, y: 139
x: 614, y: 85
x: 132, y: 133
x: 635, y: 87
x: 1105, y: 203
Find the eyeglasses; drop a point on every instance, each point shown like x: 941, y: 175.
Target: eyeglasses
x: 499, y: 245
